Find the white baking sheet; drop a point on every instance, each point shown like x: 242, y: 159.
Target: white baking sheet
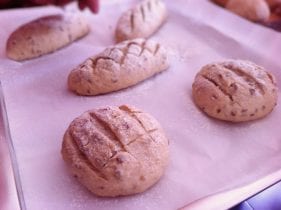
x: 207, y: 156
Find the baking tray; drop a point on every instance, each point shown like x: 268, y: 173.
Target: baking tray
x: 11, y: 195
x: 207, y: 155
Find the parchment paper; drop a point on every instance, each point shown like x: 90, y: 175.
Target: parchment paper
x: 207, y: 156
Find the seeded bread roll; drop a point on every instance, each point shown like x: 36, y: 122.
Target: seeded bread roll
x: 45, y: 35
x: 118, y: 67
x: 254, y: 10
x: 141, y: 21
x: 235, y: 90
x: 116, y: 151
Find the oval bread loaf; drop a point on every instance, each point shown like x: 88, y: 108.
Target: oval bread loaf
x: 118, y: 67
x: 45, y: 35
x: 141, y: 21
x: 254, y: 10
x: 116, y: 151
x: 235, y: 90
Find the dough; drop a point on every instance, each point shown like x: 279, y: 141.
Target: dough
x: 118, y: 67
x: 235, y: 90
x: 45, y: 35
x: 116, y: 151
x: 142, y: 21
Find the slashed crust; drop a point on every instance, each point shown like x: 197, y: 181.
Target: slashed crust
x: 116, y: 151
x: 118, y: 67
x: 235, y: 90
x: 141, y: 21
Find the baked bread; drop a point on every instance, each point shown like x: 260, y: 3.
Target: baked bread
x: 254, y: 10
x: 116, y: 151
x: 220, y: 2
x: 118, y: 67
x: 45, y: 35
x: 235, y: 90
x: 141, y: 21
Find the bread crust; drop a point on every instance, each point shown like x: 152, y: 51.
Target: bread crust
x: 118, y: 67
x: 45, y: 35
x: 235, y: 90
x: 141, y: 21
x: 116, y: 151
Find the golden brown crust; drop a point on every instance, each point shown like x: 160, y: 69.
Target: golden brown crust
x: 116, y: 151
x: 254, y: 10
x: 118, y: 67
x: 45, y: 35
x: 141, y: 21
x: 235, y: 90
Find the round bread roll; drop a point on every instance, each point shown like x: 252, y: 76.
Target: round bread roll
x: 235, y: 90
x: 116, y: 151
x: 221, y: 2
x: 254, y: 10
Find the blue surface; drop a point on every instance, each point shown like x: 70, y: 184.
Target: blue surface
x: 243, y: 206
x: 269, y: 199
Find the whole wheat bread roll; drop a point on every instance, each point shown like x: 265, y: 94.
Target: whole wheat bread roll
x: 45, y: 35
x: 254, y: 10
x: 141, y: 21
x: 235, y: 90
x: 116, y: 151
x: 118, y: 67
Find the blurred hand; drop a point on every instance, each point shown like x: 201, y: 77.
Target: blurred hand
x: 273, y: 3
x: 277, y: 10
x: 93, y: 5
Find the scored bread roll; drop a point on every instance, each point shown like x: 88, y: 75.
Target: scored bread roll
x: 235, y: 90
x: 116, y: 151
x: 254, y: 10
x: 118, y: 67
x: 45, y: 35
x: 141, y: 21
